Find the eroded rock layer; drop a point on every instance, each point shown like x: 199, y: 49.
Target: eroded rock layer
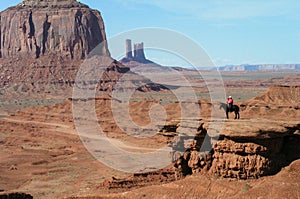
x: 252, y: 155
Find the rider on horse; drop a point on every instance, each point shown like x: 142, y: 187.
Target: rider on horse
x: 230, y: 103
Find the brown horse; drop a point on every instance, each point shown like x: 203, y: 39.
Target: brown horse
x: 235, y: 109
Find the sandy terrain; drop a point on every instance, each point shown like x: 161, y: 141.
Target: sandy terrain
x: 42, y: 154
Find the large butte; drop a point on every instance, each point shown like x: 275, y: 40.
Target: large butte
x: 51, y: 3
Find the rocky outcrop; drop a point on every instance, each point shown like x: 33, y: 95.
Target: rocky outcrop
x: 52, y: 3
x: 138, y: 56
x: 16, y: 196
x: 128, y: 50
x: 264, y: 150
x: 39, y: 28
x: 241, y: 160
x: 277, y: 101
x: 140, y: 180
x: 280, y: 96
x: 233, y: 154
x: 43, y: 43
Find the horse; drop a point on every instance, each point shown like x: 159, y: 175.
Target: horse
x: 235, y: 109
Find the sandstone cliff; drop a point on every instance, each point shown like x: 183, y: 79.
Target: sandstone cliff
x: 43, y: 43
x: 250, y: 148
x: 240, y: 151
x: 38, y: 28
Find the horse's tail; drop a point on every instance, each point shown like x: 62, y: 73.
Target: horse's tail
x: 243, y: 107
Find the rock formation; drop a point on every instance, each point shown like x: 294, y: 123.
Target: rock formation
x: 243, y: 149
x: 262, y: 152
x: 52, y: 3
x: 243, y: 153
x: 277, y: 101
x: 16, y: 195
x: 138, y: 56
x: 39, y: 28
x: 128, y: 49
x: 43, y: 43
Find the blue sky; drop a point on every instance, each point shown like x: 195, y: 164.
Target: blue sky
x: 230, y: 31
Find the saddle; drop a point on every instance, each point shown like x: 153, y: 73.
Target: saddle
x: 230, y: 107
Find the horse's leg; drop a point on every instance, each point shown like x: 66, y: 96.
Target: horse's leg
x: 227, y: 114
x: 237, y: 115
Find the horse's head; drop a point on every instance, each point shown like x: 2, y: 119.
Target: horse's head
x: 222, y: 106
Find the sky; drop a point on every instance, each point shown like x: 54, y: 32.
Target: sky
x: 230, y: 31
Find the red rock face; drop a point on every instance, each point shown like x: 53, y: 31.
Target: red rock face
x: 43, y: 43
x: 35, y: 28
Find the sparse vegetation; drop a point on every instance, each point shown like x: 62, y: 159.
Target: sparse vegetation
x: 246, y: 188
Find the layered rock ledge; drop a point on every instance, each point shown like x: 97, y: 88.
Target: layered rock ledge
x: 237, y: 150
x: 241, y: 149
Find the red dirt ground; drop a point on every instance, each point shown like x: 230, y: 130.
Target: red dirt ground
x: 41, y: 154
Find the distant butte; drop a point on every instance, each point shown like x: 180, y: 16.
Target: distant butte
x: 138, y: 56
x: 51, y: 3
